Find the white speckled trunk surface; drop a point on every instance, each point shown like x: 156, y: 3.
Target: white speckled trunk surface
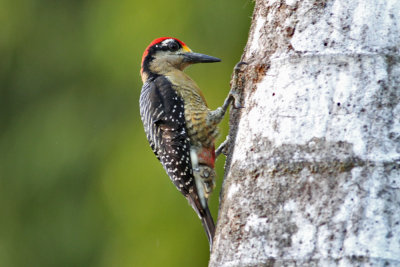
x: 313, y: 178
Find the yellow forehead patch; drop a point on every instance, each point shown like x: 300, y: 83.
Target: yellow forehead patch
x: 187, y: 49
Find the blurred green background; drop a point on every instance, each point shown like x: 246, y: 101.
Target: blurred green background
x: 79, y: 185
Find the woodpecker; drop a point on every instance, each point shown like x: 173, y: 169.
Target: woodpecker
x: 179, y: 126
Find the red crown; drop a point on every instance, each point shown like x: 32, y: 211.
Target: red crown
x: 156, y: 41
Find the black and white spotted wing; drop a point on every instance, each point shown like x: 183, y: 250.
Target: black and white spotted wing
x: 162, y: 113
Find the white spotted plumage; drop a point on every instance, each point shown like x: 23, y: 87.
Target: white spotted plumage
x: 166, y: 131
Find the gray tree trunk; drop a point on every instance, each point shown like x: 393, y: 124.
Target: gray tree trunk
x: 313, y: 172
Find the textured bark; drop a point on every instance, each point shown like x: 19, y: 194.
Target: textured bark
x: 313, y: 172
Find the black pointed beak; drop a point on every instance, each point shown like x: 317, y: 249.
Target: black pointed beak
x: 199, y: 58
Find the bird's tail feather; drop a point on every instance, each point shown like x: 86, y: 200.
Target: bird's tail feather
x: 209, y: 226
x: 205, y: 216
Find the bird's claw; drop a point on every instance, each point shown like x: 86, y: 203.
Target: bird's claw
x: 238, y: 65
x: 235, y: 100
x: 222, y: 149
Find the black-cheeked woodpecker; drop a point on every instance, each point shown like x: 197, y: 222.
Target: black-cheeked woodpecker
x: 180, y: 128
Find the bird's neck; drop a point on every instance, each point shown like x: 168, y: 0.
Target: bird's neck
x: 184, y: 85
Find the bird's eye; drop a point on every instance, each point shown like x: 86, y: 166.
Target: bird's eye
x: 173, y: 46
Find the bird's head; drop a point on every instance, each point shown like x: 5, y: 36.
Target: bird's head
x: 166, y: 54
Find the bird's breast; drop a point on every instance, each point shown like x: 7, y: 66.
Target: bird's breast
x: 201, y: 133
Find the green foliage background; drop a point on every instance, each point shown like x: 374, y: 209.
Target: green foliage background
x: 79, y: 185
